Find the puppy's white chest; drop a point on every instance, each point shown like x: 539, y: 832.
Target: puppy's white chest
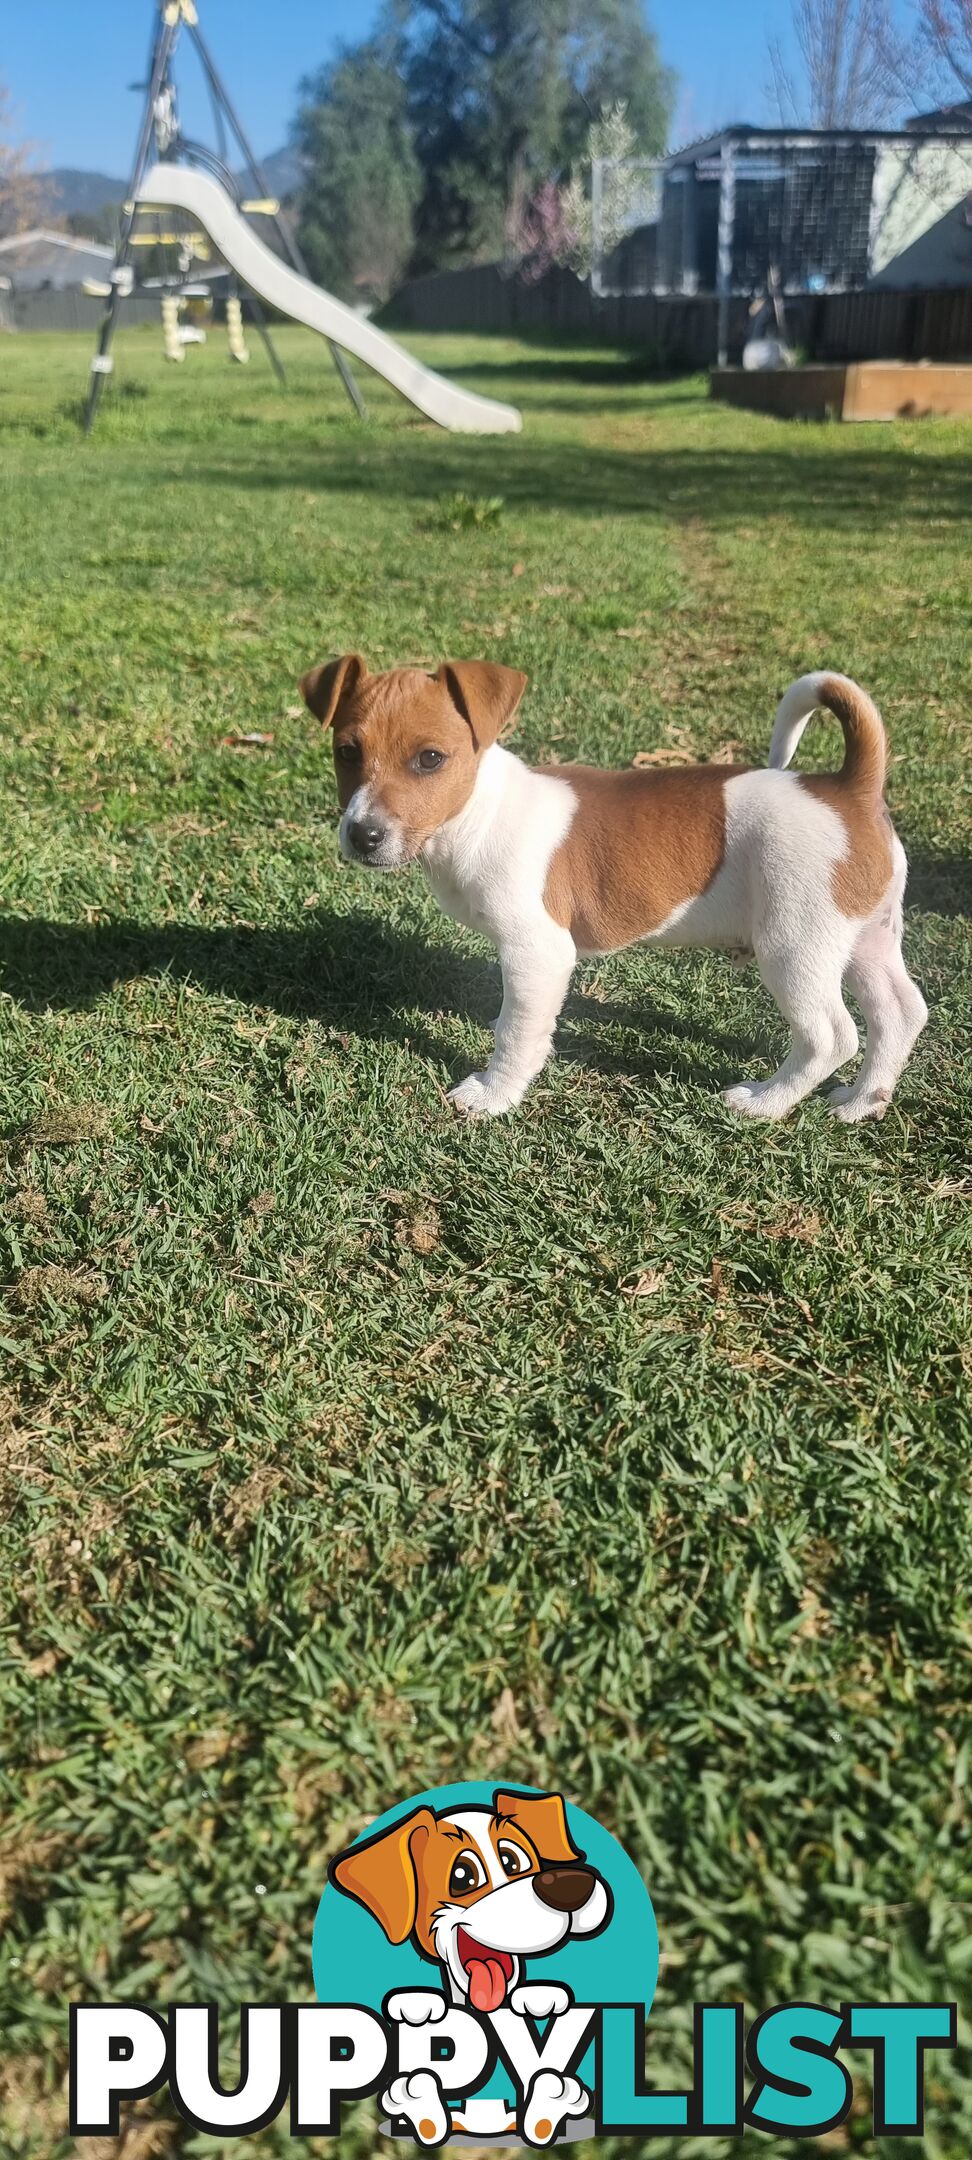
x: 488, y: 869
x: 462, y: 901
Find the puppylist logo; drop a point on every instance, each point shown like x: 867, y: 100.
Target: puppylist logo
x: 484, y: 1962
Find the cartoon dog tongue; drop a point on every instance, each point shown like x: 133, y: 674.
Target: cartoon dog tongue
x: 487, y: 1983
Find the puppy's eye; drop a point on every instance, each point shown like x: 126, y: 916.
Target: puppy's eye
x: 347, y: 753
x: 513, y: 1859
x: 429, y: 760
x: 468, y: 1873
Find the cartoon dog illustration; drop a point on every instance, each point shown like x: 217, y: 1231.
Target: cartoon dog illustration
x: 478, y: 1890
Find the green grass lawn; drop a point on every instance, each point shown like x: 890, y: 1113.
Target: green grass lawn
x: 617, y: 1446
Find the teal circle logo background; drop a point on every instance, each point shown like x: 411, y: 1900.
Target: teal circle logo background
x: 354, y: 1963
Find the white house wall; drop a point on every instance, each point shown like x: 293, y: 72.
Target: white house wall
x: 921, y: 204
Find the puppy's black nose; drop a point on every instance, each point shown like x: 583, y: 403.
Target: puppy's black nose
x: 565, y: 1888
x: 366, y: 838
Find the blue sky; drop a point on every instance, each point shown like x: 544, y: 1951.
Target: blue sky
x: 68, y: 64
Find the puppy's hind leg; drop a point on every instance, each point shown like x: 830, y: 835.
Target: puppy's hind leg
x: 895, y: 1012
x: 805, y: 979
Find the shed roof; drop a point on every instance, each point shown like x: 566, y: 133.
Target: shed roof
x: 40, y: 257
x: 949, y: 124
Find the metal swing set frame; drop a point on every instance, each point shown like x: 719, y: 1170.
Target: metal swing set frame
x: 159, y: 128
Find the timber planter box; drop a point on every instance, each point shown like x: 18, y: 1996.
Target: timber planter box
x: 861, y: 390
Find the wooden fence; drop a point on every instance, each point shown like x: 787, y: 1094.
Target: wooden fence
x: 674, y: 331
x: 68, y: 308
x: 683, y: 332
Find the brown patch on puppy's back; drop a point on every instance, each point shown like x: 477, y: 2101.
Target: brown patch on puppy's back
x: 641, y: 844
x: 860, y: 879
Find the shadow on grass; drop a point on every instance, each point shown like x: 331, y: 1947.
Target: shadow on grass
x: 349, y: 972
x: 616, y: 373
x: 623, y: 380
x: 942, y: 885
x: 852, y: 490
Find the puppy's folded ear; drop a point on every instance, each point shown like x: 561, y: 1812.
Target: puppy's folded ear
x: 381, y: 1872
x: 544, y: 1818
x: 323, y: 688
x: 487, y: 696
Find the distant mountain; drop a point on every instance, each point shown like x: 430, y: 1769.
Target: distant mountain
x: 284, y: 171
x: 81, y: 194
x: 74, y: 193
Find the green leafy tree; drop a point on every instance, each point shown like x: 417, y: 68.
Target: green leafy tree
x: 363, y: 179
x: 502, y: 93
x: 428, y: 142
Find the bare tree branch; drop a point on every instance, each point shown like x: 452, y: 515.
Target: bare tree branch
x: 946, y: 29
x: 782, y: 84
x: 847, y: 64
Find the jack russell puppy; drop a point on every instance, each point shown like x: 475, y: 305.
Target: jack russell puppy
x: 477, y: 1890
x: 805, y: 872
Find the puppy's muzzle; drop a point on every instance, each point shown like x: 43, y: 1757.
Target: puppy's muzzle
x: 564, y: 1889
x: 367, y: 838
x: 372, y: 840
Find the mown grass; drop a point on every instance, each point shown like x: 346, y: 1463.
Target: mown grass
x: 345, y: 1449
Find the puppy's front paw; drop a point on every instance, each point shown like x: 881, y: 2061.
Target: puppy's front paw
x: 479, y: 1097
x: 416, y: 2006
x: 540, y: 1999
x: 752, y: 1098
x: 853, y: 1105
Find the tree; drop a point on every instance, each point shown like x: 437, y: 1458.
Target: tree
x: 946, y: 33
x: 502, y: 94
x: 363, y: 180
x: 454, y: 117
x: 611, y: 143
x: 101, y: 225
x: 556, y: 225
x: 23, y: 190
x: 848, y: 65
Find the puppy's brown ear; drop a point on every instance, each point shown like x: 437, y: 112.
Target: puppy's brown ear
x: 322, y: 688
x: 487, y: 696
x: 543, y: 1817
x: 382, y: 1872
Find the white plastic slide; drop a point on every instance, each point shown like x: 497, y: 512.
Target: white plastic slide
x: 179, y: 187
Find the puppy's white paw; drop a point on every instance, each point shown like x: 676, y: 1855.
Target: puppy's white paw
x: 540, y: 1999
x: 479, y: 1097
x: 749, y: 1098
x: 419, y: 2098
x: 416, y: 2006
x: 552, y: 2098
x: 469, y: 1098
x: 852, y: 1106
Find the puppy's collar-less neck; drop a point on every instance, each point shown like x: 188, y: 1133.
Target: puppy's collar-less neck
x: 472, y: 823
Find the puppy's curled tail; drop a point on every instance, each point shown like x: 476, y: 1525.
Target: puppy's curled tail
x: 865, y: 742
